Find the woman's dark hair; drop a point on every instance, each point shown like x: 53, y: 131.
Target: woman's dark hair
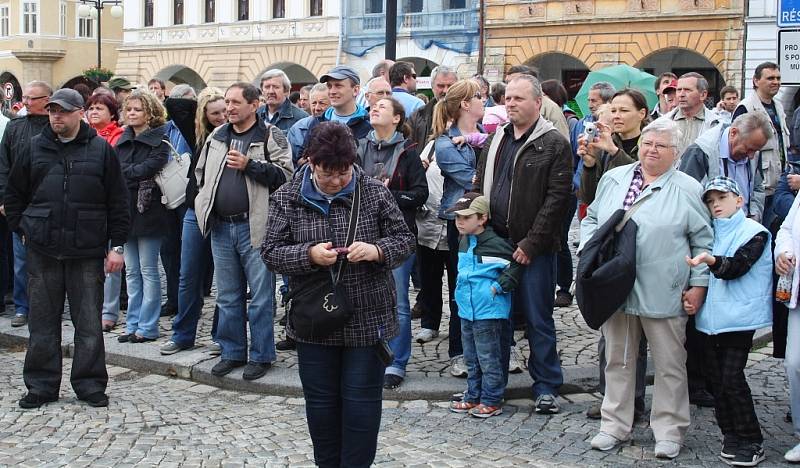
x: 106, y: 100
x: 639, y: 101
x: 331, y: 147
x: 83, y: 90
x: 498, y: 92
x: 294, y: 97
x: 555, y: 91
x: 399, y: 111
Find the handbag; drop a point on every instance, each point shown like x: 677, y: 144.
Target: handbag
x: 606, y: 269
x: 173, y: 178
x: 319, y: 305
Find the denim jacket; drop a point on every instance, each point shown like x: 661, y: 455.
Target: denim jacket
x: 457, y: 164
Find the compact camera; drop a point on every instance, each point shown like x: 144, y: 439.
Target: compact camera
x: 589, y: 131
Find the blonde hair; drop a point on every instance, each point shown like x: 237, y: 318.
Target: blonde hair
x: 603, y: 113
x: 152, y: 106
x: 206, y: 97
x: 448, y: 109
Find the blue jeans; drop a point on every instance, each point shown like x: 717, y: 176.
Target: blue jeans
x: 195, y: 260
x: 144, y: 286
x: 534, y: 296
x: 343, y: 388
x: 401, y: 344
x: 111, y: 291
x: 483, y: 356
x: 20, y: 277
x: 237, y: 264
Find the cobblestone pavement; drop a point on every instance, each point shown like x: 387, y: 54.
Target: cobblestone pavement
x: 155, y: 420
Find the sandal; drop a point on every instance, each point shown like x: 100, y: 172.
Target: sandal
x: 462, y: 406
x: 483, y: 411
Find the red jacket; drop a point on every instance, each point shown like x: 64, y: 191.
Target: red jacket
x: 110, y: 133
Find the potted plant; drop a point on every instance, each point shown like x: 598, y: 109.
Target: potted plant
x: 98, y: 75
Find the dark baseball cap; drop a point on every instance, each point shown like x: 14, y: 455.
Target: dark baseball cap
x: 67, y: 98
x: 341, y: 72
x: 119, y: 82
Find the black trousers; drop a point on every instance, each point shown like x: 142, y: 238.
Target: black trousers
x: 171, y: 253
x: 564, y: 258
x: 49, y: 281
x: 432, y: 265
x: 695, y: 363
x: 726, y: 358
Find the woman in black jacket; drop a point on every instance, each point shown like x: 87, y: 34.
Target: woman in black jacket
x: 388, y: 155
x: 143, y: 153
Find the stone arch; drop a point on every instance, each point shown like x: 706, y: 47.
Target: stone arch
x: 8, y: 77
x: 180, y: 74
x: 298, y: 75
x: 422, y: 66
x: 566, y: 68
x: 79, y: 79
x: 681, y: 60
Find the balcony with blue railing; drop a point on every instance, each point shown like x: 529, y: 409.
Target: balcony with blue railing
x: 455, y: 29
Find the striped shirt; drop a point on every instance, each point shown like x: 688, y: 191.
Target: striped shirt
x: 637, y: 185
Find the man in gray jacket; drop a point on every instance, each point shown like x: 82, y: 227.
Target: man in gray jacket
x: 731, y: 151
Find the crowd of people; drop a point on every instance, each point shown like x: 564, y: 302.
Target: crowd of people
x: 357, y: 192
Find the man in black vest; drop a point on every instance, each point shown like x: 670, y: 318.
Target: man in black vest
x: 66, y: 198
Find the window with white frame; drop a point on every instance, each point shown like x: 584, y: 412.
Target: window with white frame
x: 86, y: 27
x: 30, y: 17
x: 4, y: 24
x: 62, y: 18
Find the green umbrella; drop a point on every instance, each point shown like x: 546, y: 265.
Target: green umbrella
x: 621, y: 76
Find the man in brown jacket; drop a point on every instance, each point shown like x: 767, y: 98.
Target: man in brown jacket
x: 526, y: 173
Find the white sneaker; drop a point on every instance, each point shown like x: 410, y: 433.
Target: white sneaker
x: 457, y: 366
x: 425, y: 335
x: 214, y: 349
x: 667, y: 449
x: 793, y: 455
x: 605, y: 442
x: 515, y: 365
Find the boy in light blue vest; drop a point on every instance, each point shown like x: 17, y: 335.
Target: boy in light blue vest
x: 738, y: 303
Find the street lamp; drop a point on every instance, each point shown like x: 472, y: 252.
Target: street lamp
x: 93, y: 9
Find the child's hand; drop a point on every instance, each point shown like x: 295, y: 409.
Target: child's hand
x: 688, y: 307
x: 704, y: 257
x: 459, y: 140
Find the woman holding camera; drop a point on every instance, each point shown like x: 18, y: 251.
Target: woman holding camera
x: 615, y: 145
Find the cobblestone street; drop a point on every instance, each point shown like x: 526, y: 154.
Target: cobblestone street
x: 155, y: 420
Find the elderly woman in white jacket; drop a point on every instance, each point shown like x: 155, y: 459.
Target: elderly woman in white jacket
x: 787, y: 246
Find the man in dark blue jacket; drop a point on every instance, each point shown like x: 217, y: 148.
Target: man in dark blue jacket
x: 279, y: 111
x: 67, y: 200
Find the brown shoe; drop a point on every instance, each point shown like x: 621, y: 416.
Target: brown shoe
x: 594, y: 411
x: 563, y: 299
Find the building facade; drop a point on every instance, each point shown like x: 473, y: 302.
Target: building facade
x: 217, y: 42
x: 568, y: 38
x: 47, y: 40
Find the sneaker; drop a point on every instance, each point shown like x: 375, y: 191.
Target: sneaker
x: 594, y: 411
x: 563, y: 299
x: 255, y: 370
x: 482, y: 411
x: 286, y: 345
x: 225, y: 366
x: 730, y: 444
x: 416, y: 311
x: 32, y: 400
x: 547, y: 404
x: 171, y: 347
x: 667, y: 449
x: 97, y: 400
x: 425, y: 335
x: 793, y: 455
x: 391, y: 381
x: 169, y: 310
x: 605, y: 442
x: 214, y: 349
x: 749, y: 454
x: 462, y: 406
x: 515, y: 363
x: 457, y: 366
x: 19, y: 320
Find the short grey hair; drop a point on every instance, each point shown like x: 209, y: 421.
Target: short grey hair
x: 319, y: 88
x: 41, y: 84
x: 702, y: 82
x: 376, y: 79
x: 664, y: 126
x: 752, y: 121
x: 441, y: 70
x: 182, y: 91
x: 381, y: 67
x: 275, y: 73
x: 606, y: 89
x: 535, y: 84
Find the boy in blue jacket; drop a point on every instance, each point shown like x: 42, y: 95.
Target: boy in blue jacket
x: 738, y: 303
x: 486, y: 276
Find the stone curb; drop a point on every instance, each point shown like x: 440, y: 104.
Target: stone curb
x: 195, y: 365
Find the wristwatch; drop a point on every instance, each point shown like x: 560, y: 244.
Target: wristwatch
x: 120, y: 249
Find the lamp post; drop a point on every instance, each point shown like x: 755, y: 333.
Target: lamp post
x: 94, y: 9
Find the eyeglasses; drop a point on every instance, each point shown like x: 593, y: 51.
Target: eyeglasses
x: 381, y: 93
x: 60, y: 110
x: 33, y: 98
x: 647, y: 145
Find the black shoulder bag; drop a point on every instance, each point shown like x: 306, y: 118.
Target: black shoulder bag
x: 319, y: 306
